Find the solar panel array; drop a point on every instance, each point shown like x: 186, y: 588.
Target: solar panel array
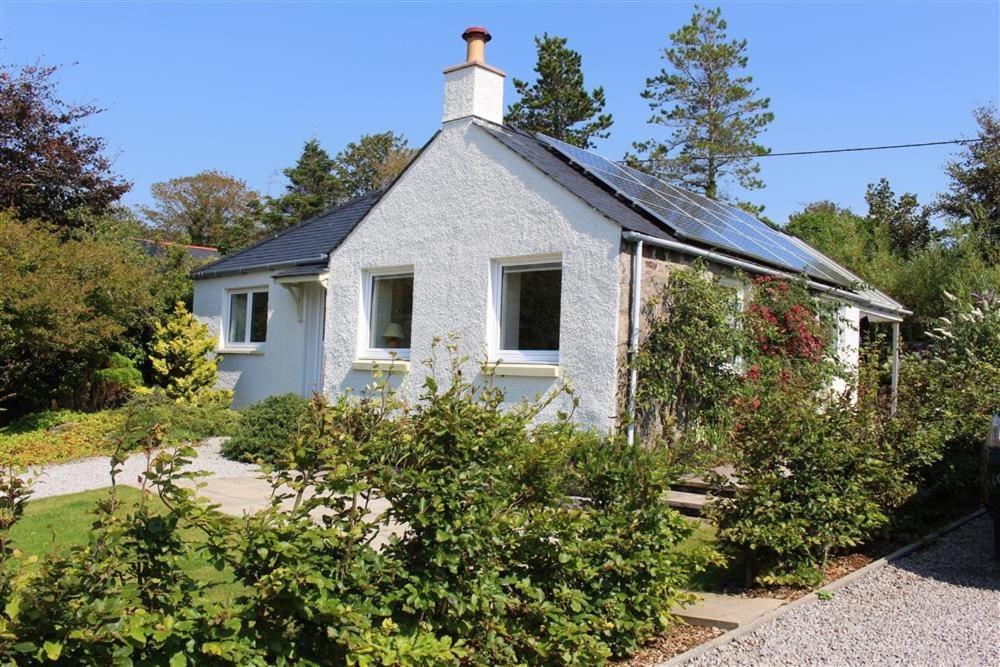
x: 693, y: 216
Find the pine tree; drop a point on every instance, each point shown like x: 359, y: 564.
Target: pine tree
x: 714, y: 114
x: 973, y: 195
x: 313, y: 187
x: 557, y: 104
x: 182, y: 355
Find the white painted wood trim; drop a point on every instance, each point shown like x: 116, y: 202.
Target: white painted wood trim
x: 386, y: 366
x: 523, y: 370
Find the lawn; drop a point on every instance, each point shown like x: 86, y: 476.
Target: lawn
x: 62, y: 522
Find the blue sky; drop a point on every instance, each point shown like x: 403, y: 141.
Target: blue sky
x: 239, y: 86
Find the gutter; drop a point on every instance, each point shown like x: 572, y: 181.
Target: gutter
x: 759, y: 268
x: 199, y: 275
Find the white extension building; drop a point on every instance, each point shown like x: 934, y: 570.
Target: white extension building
x: 536, y: 253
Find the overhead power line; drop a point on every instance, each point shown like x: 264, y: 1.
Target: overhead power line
x: 851, y: 150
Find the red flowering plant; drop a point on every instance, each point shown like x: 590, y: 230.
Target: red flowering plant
x: 804, y: 480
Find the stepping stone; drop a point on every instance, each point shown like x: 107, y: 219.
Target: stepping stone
x: 686, y: 501
x: 725, y: 611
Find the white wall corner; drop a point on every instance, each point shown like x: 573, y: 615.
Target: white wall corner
x: 473, y: 89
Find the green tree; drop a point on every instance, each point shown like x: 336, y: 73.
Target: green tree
x: 182, y: 355
x: 313, y: 187
x: 557, y: 103
x: 907, y: 223
x: 862, y: 245
x: 713, y: 112
x: 371, y: 163
x: 974, y: 192
x: 210, y: 208
x: 48, y: 166
x: 65, y: 307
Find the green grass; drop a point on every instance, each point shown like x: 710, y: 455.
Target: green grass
x: 715, y: 578
x: 62, y: 522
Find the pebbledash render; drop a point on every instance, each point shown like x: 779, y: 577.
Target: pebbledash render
x: 492, y: 234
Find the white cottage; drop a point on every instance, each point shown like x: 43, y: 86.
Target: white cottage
x: 536, y: 253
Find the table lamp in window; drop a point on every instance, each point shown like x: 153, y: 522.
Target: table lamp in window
x: 393, y: 335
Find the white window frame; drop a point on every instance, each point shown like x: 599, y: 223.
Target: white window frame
x: 496, y: 353
x: 249, y: 291
x: 365, y: 351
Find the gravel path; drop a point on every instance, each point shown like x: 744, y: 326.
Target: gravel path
x: 938, y: 606
x: 94, y: 473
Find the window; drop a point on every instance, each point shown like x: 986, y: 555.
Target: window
x: 528, y: 296
x: 247, y: 323
x: 389, y: 315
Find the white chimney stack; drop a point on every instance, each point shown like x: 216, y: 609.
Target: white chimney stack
x: 474, y: 88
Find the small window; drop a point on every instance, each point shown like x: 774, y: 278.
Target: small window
x: 390, y: 315
x: 247, y: 318
x: 529, y: 302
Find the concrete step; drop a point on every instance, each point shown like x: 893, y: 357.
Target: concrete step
x: 725, y: 611
x: 687, y: 503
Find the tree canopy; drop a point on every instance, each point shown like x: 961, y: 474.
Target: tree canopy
x: 209, y: 208
x: 371, y: 163
x: 973, y: 197
x: 713, y: 112
x: 49, y: 167
x: 318, y: 182
x: 557, y: 103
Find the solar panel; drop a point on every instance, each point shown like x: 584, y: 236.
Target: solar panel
x: 694, y: 216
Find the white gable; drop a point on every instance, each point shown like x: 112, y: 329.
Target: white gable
x: 467, y: 201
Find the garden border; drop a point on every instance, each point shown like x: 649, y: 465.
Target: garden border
x: 721, y: 640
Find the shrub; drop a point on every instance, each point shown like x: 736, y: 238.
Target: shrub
x: 67, y: 305
x: 495, y: 563
x: 182, y: 355
x: 685, y: 363
x: 207, y: 414
x: 266, y: 429
x: 114, y: 383
x: 807, y: 479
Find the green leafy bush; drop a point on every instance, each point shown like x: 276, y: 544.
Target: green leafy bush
x: 685, y: 364
x: 490, y: 560
x: 208, y: 414
x: 114, y: 383
x: 807, y: 479
x: 265, y: 429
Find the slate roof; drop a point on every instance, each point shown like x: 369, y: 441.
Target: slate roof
x: 307, y: 243
x: 305, y: 248
x: 535, y: 152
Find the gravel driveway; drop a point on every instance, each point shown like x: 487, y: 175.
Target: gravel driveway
x: 938, y: 606
x: 94, y: 473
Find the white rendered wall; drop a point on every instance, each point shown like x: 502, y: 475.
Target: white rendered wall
x: 848, y: 341
x: 279, y: 368
x: 466, y: 201
x: 473, y: 90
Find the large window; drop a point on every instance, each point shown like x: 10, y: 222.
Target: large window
x: 529, y: 296
x: 389, y: 315
x: 247, y: 321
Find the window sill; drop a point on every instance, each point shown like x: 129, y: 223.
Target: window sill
x: 384, y: 365
x: 524, y: 370
x: 240, y: 350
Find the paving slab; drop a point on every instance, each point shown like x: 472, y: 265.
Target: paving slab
x: 726, y: 611
x: 242, y: 496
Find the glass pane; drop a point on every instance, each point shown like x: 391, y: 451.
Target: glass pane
x: 258, y: 317
x: 529, y: 313
x: 237, y: 318
x: 392, y: 312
